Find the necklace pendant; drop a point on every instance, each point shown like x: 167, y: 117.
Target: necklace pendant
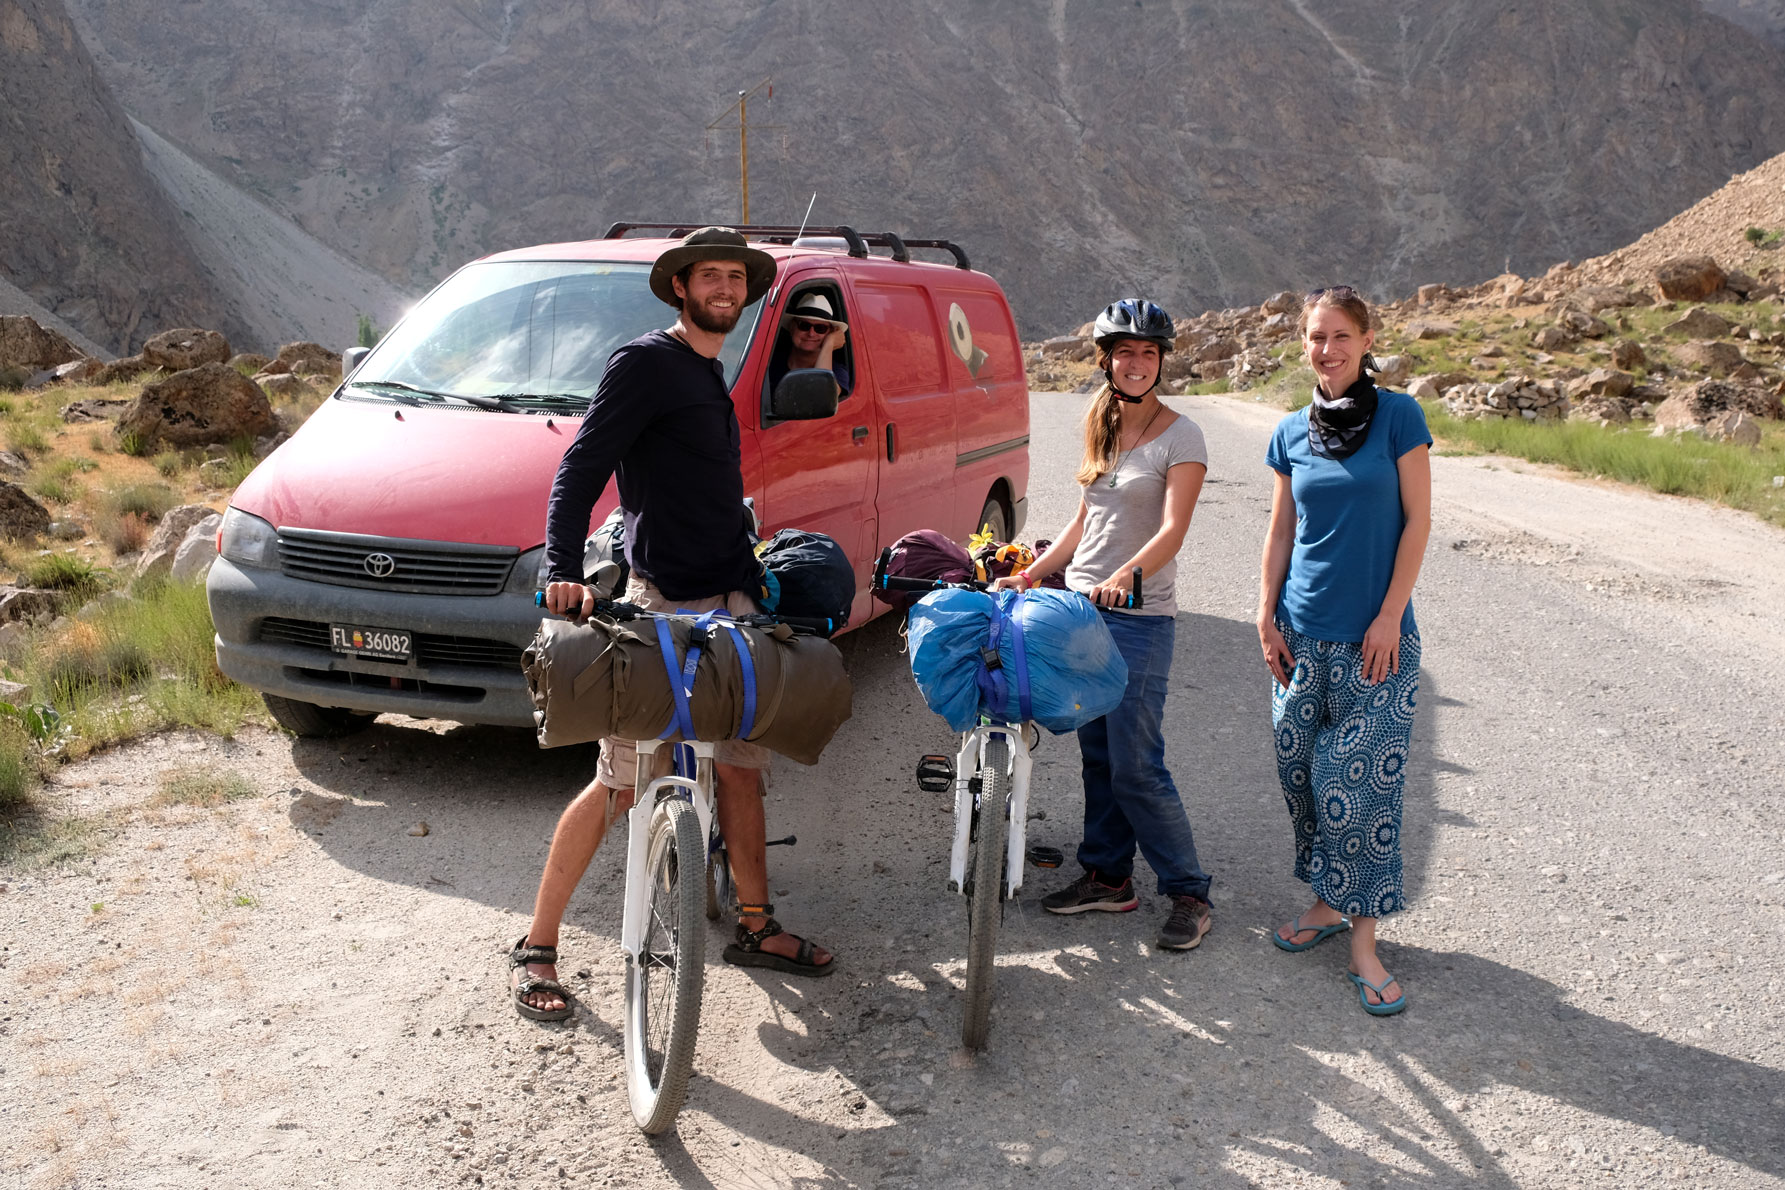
x: 1112, y: 479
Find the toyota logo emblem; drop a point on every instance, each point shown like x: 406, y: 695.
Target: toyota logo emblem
x: 380, y: 565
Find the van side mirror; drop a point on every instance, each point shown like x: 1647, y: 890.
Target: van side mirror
x: 350, y: 359
x: 805, y: 394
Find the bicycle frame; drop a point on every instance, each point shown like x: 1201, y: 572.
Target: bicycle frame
x: 646, y: 794
x: 968, y: 763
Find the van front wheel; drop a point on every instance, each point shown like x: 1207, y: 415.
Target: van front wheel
x: 993, y: 514
x: 308, y: 719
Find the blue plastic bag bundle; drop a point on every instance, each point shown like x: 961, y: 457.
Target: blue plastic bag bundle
x: 1055, y: 662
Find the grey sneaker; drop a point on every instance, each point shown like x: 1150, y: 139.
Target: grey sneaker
x: 1088, y: 893
x: 1188, y: 922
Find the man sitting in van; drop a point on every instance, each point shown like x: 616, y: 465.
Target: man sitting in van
x: 811, y: 337
x: 663, y: 426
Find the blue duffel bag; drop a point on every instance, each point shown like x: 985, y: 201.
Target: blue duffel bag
x: 1034, y: 655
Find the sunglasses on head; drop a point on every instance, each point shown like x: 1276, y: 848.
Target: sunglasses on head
x: 810, y: 327
x: 1341, y: 292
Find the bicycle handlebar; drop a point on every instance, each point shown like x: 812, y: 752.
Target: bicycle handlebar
x: 892, y: 582
x: 618, y: 611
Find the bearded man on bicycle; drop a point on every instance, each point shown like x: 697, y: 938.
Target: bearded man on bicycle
x: 662, y: 425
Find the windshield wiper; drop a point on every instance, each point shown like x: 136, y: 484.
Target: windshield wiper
x: 502, y: 403
x: 402, y: 393
x: 546, y: 398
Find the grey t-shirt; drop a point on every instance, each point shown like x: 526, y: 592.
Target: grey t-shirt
x: 1120, y: 520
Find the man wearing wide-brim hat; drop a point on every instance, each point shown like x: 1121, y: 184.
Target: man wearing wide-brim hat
x: 662, y: 426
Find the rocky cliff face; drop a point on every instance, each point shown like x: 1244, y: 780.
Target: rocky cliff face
x: 1207, y: 152
x: 1765, y: 17
x: 86, y: 233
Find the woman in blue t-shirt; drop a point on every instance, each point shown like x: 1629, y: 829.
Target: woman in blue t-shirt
x: 1350, y: 516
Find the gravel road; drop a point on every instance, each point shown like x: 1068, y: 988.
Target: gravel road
x: 294, y: 990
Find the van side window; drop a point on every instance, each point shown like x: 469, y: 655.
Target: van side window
x: 907, y: 344
x: 807, y: 311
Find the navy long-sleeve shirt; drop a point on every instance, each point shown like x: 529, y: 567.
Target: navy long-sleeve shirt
x: 663, y: 425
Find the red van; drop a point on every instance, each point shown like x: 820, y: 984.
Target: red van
x: 384, y: 559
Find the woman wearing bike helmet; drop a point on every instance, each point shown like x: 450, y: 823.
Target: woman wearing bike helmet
x: 1349, y: 520
x: 1142, y: 470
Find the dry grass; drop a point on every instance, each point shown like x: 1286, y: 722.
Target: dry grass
x: 206, y: 788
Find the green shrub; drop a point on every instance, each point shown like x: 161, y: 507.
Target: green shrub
x: 169, y: 464
x: 100, y: 441
x: 62, y: 572
x: 6, y: 407
x: 54, y: 488
x: 18, y: 765
x: 147, y: 500
x: 133, y: 444
x: 82, y: 665
x: 26, y: 439
x: 125, y: 533
x: 13, y: 378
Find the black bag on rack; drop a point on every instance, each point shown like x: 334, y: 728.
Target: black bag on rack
x: 815, y: 576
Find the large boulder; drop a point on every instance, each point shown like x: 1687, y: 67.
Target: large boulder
x: 1217, y: 349
x: 1703, y: 402
x: 305, y: 358
x: 1430, y: 328
x: 1605, y: 410
x: 21, y: 517
x: 1392, y: 371
x: 128, y: 368
x: 1628, y: 354
x: 1601, y: 382
x: 1285, y: 302
x: 248, y: 362
x: 93, y: 409
x: 1733, y: 426
x: 184, y: 348
x: 25, y: 343
x: 158, y: 555
x: 1698, y: 323
x: 192, y: 561
x: 1578, y: 322
x: 1597, y: 298
x: 1689, y: 278
x: 211, y: 403
x: 25, y: 603
x: 1712, y: 355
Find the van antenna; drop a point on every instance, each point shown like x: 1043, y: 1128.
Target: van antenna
x: 808, y: 217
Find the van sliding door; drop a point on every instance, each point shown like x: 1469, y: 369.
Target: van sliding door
x: 916, y: 405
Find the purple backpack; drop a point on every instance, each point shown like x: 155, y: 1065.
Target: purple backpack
x: 924, y: 554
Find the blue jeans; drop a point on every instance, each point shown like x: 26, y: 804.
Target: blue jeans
x: 1129, y: 795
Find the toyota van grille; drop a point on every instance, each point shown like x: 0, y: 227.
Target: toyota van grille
x: 430, y: 648
x: 394, y: 564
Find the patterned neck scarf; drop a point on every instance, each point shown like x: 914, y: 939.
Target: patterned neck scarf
x: 1337, y: 428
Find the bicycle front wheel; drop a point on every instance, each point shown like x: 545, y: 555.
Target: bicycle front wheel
x: 663, y: 985
x: 985, y: 899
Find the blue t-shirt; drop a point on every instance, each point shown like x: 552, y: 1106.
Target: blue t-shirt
x: 1348, y: 521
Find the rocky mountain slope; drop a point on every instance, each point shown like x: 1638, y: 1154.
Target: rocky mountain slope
x: 86, y: 232
x: 1208, y: 152
x: 1765, y: 17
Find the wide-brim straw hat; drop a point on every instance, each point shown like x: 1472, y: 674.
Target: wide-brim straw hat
x: 714, y: 243
x: 814, y: 307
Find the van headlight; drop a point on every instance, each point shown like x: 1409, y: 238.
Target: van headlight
x: 528, y: 574
x: 249, y: 541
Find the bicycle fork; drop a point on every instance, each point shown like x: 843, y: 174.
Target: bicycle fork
x: 968, y: 763
x: 635, y: 910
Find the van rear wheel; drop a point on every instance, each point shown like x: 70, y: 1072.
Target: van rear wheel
x: 308, y: 719
x: 993, y: 514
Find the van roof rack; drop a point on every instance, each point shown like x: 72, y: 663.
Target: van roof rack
x: 858, y: 241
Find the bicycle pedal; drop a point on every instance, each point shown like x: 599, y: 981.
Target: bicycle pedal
x: 1046, y: 857
x: 935, y: 774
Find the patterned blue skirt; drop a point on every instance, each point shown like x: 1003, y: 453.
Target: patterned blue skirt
x: 1342, y: 758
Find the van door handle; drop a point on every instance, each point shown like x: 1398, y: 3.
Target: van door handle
x: 859, y: 433
x: 892, y: 443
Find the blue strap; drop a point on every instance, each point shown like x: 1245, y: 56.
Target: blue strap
x: 1024, y: 707
x: 681, y: 681
x: 993, y: 691
x: 748, y: 663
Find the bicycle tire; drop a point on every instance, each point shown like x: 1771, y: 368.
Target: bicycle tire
x: 663, y: 985
x: 985, y: 903
x: 720, y: 894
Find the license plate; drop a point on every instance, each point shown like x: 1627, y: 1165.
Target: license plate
x: 382, y: 644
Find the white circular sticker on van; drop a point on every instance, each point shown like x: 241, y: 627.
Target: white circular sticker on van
x: 960, y: 338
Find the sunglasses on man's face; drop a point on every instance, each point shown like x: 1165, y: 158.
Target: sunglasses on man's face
x: 810, y: 327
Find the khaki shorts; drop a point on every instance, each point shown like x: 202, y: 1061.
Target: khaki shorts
x: 618, y: 766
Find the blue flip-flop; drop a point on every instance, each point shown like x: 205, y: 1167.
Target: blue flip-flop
x: 1388, y: 1008
x: 1321, y: 934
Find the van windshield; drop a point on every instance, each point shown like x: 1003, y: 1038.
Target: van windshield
x: 526, y: 328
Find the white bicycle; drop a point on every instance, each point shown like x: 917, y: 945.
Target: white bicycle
x: 990, y: 779
x: 677, y: 874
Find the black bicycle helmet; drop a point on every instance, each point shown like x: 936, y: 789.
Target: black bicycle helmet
x: 1134, y: 318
